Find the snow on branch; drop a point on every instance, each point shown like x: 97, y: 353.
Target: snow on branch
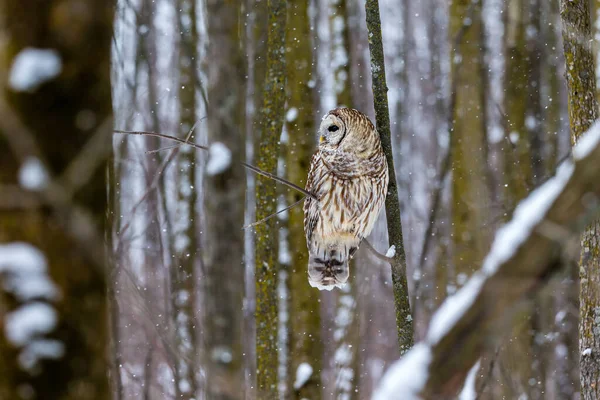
x: 525, y: 252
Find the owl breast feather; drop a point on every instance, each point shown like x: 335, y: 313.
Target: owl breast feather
x: 347, y: 208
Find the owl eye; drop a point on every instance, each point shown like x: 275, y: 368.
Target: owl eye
x: 339, y: 271
x: 333, y: 128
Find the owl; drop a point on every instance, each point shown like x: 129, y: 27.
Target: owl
x: 349, y: 176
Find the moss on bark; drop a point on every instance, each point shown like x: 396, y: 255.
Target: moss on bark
x: 392, y: 204
x: 268, y: 128
x: 304, y: 311
x: 583, y: 111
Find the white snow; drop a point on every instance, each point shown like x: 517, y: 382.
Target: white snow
x: 184, y: 386
x: 526, y: 216
x: 303, y: 374
x: 219, y: 158
x: 33, y: 175
x: 391, y: 251
x: 222, y: 354
x: 586, y: 352
x: 407, y: 376
x: 291, y: 114
x: 507, y: 241
x: 28, y: 321
x: 469, y: 391
x: 32, y: 67
x: 588, y: 142
x: 24, y: 270
x: 282, y: 331
x: 453, y: 308
x: 38, y: 349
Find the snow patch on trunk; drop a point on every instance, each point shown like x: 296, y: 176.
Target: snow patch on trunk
x: 32, y: 67
x: 303, y: 374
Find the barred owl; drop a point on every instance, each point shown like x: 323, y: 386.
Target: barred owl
x: 349, y: 177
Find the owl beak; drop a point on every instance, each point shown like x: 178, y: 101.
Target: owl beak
x: 321, y: 139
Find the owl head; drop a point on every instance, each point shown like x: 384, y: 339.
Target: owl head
x: 325, y: 275
x: 348, y: 130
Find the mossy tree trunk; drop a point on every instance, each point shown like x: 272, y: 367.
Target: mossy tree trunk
x: 268, y: 131
x: 224, y: 204
x: 507, y: 280
x: 392, y: 203
x: 61, y: 228
x: 583, y: 111
x: 518, y: 171
x: 304, y: 305
x: 184, y: 239
x: 469, y: 143
x: 519, y: 354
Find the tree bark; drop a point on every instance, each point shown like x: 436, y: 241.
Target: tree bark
x: 63, y: 124
x: 224, y: 204
x: 184, y: 240
x: 304, y: 306
x: 269, y: 124
x: 477, y: 314
x: 392, y: 204
x: 470, y: 197
x: 583, y: 111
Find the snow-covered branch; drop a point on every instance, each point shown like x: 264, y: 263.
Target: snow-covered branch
x: 525, y: 252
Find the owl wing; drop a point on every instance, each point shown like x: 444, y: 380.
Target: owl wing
x: 311, y: 206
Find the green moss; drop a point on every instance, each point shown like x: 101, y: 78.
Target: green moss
x: 583, y: 111
x: 269, y: 125
x: 304, y: 305
x: 392, y: 204
x: 470, y: 196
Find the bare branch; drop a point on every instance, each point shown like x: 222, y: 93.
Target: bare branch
x: 377, y: 254
x: 280, y: 180
x: 522, y: 258
x: 274, y: 214
x: 249, y: 166
x: 163, y: 136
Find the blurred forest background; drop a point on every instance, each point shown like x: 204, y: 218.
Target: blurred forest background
x: 200, y: 308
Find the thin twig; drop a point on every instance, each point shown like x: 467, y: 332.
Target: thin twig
x: 274, y: 214
x: 377, y: 254
x: 280, y: 180
x: 162, y: 149
x: 160, y: 135
x: 250, y: 167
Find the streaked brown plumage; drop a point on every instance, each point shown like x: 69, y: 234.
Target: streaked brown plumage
x: 349, y: 176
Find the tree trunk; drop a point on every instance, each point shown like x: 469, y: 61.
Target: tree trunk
x: 468, y: 144
x: 392, y: 204
x: 304, y: 306
x: 224, y: 203
x: 184, y: 239
x: 269, y: 124
x: 525, y: 254
x: 583, y: 111
x: 62, y: 126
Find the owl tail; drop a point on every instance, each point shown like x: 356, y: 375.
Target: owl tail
x: 329, y: 269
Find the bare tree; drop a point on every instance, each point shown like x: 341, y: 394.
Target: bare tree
x: 269, y: 124
x: 583, y: 111
x: 304, y: 304
x: 224, y: 202
x: 392, y: 204
x: 184, y: 241
x: 524, y: 255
